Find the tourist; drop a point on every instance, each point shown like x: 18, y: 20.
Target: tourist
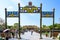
x: 16, y: 33
x: 13, y: 33
x: 31, y: 32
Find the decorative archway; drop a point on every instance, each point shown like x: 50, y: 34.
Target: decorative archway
x: 29, y: 9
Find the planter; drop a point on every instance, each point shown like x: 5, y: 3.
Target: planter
x: 55, y: 34
x: 46, y: 35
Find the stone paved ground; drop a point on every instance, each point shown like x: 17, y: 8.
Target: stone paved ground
x: 35, y: 36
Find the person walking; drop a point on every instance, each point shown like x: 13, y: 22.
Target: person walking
x: 7, y: 38
x: 7, y: 35
x: 16, y: 33
x: 13, y: 33
x: 31, y: 32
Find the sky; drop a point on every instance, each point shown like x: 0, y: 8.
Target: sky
x: 30, y: 19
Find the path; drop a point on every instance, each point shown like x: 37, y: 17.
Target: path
x: 35, y: 36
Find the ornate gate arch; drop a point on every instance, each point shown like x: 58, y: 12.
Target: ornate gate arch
x: 29, y: 9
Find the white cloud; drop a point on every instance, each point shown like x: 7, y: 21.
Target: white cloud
x: 25, y: 20
x: 2, y: 12
x: 18, y: 1
x: 32, y: 14
x: 10, y: 8
x: 11, y: 21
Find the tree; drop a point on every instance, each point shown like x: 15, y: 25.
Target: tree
x: 1, y: 21
x: 9, y: 27
x: 1, y: 27
x: 51, y: 27
x: 44, y: 26
x: 56, y: 26
x: 16, y: 25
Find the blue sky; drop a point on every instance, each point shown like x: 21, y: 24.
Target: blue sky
x: 30, y: 19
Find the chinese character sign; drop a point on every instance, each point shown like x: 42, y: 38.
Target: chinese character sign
x: 47, y: 14
x: 12, y: 14
x: 29, y: 10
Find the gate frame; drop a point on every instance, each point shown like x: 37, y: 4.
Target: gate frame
x: 19, y: 19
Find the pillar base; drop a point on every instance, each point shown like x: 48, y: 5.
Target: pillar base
x: 19, y: 37
x: 41, y: 38
x: 53, y: 37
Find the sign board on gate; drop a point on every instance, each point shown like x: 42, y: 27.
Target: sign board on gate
x: 12, y: 14
x: 47, y: 14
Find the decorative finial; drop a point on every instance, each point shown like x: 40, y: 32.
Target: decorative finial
x: 30, y: 3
